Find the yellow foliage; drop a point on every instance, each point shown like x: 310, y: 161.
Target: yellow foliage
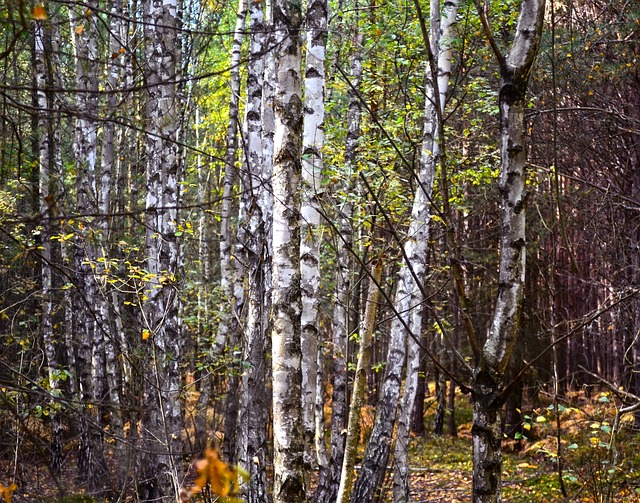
x: 6, y: 492
x: 221, y: 477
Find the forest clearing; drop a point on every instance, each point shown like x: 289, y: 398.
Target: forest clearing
x: 328, y: 251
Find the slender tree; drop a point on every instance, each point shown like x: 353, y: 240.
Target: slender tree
x: 329, y: 478
x: 48, y: 150
x: 441, y: 40
x: 161, y: 332
x: 488, y: 385
x: 289, y: 468
x: 360, y: 382
x: 313, y: 139
x: 230, y: 176
x: 92, y: 468
x: 254, y: 413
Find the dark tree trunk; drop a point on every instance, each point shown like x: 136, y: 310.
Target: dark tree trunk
x: 422, y: 391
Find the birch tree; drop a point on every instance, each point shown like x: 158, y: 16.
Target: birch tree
x: 230, y: 176
x: 416, y: 248
x: 161, y: 332
x: 48, y: 152
x: 289, y: 468
x: 329, y: 478
x: 230, y: 270
x: 253, y: 415
x: 312, y: 139
x: 92, y: 468
x: 408, y: 300
x: 488, y: 385
x: 112, y: 348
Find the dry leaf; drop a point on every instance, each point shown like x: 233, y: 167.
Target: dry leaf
x: 39, y: 12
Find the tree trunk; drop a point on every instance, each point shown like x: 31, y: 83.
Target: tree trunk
x: 422, y: 391
x: 254, y: 414
x: 360, y: 383
x: 161, y: 334
x: 112, y: 349
x: 47, y: 144
x: 230, y: 175
x: 329, y: 478
x: 488, y: 383
x: 290, y: 472
x: 92, y: 468
x: 312, y: 143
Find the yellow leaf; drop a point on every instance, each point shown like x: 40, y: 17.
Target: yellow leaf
x: 80, y: 29
x: 222, y: 478
x: 6, y: 491
x: 146, y: 334
x: 39, y: 12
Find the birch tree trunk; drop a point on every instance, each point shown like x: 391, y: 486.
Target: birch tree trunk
x: 416, y: 248
x: 290, y: 473
x: 47, y: 144
x: 108, y: 163
x: 488, y: 384
x: 230, y: 175
x: 92, y: 470
x: 408, y: 302
x: 312, y: 139
x: 253, y: 416
x: 230, y: 273
x: 329, y: 478
x: 162, y: 422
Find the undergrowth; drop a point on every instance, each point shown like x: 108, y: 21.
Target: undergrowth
x: 599, y: 462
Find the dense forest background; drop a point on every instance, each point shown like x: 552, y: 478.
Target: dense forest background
x: 242, y: 231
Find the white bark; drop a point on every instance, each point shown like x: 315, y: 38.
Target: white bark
x: 227, y: 321
x: 442, y: 33
x: 92, y: 471
x: 162, y: 425
x: 488, y: 379
x: 289, y: 470
x: 312, y: 142
x: 253, y: 412
x: 108, y: 158
x: 46, y: 145
x: 329, y: 479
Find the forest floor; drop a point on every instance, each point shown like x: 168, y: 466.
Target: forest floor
x: 599, y: 462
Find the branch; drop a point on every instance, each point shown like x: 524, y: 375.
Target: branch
x: 487, y: 32
x: 586, y: 321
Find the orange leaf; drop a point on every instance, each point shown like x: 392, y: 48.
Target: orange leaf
x: 6, y: 492
x: 39, y: 12
x: 79, y: 30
